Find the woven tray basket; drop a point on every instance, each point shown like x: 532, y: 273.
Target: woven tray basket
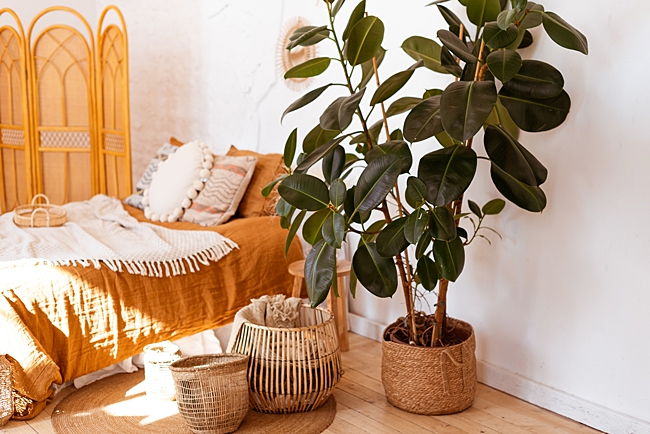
x: 424, y: 380
x: 6, y: 399
x: 291, y: 369
x: 211, y: 392
x: 40, y: 215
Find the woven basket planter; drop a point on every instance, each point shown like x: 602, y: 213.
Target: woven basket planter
x: 291, y: 369
x: 211, y: 392
x: 6, y: 399
x: 424, y: 380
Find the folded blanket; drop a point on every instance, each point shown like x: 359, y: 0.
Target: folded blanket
x: 100, y: 230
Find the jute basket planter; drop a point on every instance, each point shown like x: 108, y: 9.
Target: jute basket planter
x: 423, y: 380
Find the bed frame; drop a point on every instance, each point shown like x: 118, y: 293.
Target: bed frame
x: 64, y: 109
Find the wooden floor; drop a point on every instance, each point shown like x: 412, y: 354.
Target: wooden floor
x: 362, y: 407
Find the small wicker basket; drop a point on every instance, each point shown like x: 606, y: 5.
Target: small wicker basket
x: 6, y: 399
x: 40, y: 215
x: 157, y: 376
x: 292, y: 369
x: 211, y: 392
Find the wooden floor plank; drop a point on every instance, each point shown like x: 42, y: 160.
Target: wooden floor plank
x: 17, y: 427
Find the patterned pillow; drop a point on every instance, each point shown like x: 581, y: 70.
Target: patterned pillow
x: 161, y: 155
x: 223, y: 191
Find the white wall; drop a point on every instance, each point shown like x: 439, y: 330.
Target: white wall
x: 561, y: 302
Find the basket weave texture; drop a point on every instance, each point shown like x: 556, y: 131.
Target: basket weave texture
x: 292, y: 369
x: 6, y: 399
x: 158, y: 378
x: 430, y: 380
x: 40, y: 215
x: 211, y: 392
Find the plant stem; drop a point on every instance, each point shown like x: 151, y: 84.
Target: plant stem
x: 441, y: 313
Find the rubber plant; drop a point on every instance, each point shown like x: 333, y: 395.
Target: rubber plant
x: 412, y: 238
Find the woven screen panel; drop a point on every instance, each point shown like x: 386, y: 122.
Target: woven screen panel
x: 10, y: 93
x: 112, y: 63
x: 14, y: 178
x: 67, y: 176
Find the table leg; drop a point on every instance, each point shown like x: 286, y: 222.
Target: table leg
x: 297, y: 287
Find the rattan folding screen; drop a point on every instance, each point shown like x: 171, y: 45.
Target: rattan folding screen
x: 64, y: 110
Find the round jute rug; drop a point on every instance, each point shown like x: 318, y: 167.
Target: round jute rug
x: 119, y: 405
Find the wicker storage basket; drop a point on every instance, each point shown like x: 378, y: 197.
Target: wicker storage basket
x: 40, y: 215
x: 291, y: 369
x: 157, y: 376
x: 6, y: 400
x: 424, y: 380
x: 211, y: 392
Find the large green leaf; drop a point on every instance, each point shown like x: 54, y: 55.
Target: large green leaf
x: 532, y: 18
x: 416, y: 192
x: 378, y: 275
x: 447, y: 173
x: 376, y: 180
x: 307, y: 36
x: 416, y: 224
x: 292, y: 231
x: 396, y: 147
x: 368, y: 68
x: 372, y: 231
x: 450, y: 257
x: 310, y: 68
x: 338, y: 115
x: 493, y: 207
x: 495, y: 37
x: 402, y: 105
x: 564, y: 34
x: 319, y: 271
x: 374, y: 130
x: 424, y: 49
x: 535, y: 79
x: 351, y: 212
x: 513, y: 158
x: 456, y: 46
x: 524, y: 196
x: 317, y: 137
x: 318, y: 153
x: 451, y: 19
x: 312, y: 229
x: 337, y: 7
x: 358, y: 13
x: 364, y: 41
x: 535, y: 115
x: 424, y: 120
x: 391, y: 86
x: 481, y: 11
x: 338, y: 192
x: 391, y: 241
x: 506, y: 18
x: 464, y: 107
x: 282, y: 208
x: 334, y: 230
x: 448, y: 62
x: 304, y: 192
x: 504, y: 64
x: 442, y: 225
x: 428, y: 273
x: 290, y: 148
x: 304, y: 100
x: 333, y: 164
x: 500, y: 116
x: 268, y: 188
x: 423, y: 244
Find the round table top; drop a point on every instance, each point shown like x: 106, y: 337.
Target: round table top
x: 298, y: 268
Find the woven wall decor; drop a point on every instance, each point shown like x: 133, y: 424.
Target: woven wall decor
x: 288, y: 59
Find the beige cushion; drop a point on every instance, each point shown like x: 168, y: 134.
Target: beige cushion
x: 223, y: 192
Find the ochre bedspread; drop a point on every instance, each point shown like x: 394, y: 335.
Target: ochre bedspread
x: 59, y: 323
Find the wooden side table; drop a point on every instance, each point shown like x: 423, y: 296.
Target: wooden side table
x: 338, y: 305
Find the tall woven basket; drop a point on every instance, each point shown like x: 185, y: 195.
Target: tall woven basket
x: 211, y: 392
x: 6, y: 400
x: 424, y: 380
x: 292, y: 369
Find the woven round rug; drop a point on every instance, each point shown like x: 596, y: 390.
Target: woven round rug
x: 119, y: 405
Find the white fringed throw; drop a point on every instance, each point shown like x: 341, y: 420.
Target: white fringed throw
x: 100, y: 230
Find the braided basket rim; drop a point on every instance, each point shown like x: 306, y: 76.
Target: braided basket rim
x: 330, y: 319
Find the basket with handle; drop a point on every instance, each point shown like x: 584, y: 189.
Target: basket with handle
x: 40, y: 215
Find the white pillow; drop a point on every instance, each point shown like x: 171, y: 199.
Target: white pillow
x: 177, y: 182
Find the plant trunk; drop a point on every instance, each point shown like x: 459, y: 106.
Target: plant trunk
x: 441, y: 314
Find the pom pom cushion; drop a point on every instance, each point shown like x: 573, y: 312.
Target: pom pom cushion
x: 177, y: 182
x: 145, y: 181
x: 219, y: 199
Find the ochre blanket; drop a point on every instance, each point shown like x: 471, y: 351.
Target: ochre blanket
x: 59, y: 323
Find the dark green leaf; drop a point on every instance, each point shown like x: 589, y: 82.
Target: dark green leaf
x: 397, y: 135
x: 535, y: 79
x: 370, y: 236
x: 456, y: 46
x: 519, y: 4
x: 500, y: 116
x: 334, y: 230
x: 353, y: 283
x: 532, y: 18
x: 494, y: 37
x: 368, y: 69
x: 338, y: 192
x: 535, y: 115
x: 461, y: 233
x: 282, y: 208
x: 428, y: 273
x: 431, y: 92
x: 290, y: 148
x: 333, y: 164
x: 358, y: 13
x: 317, y: 137
x: 402, y: 105
x: 450, y: 257
x: 304, y: 192
x: 337, y: 7
x: 339, y: 114
x: 396, y: 147
x: 374, y: 131
x: 513, y: 158
x: 527, y: 40
x: 464, y: 107
x: 451, y: 19
x: 376, y: 180
x: 318, y: 153
x: 304, y: 100
x: 415, y: 225
x: 268, y: 188
x: 309, y: 36
x: 319, y: 271
x: 424, y: 120
x: 424, y: 49
x: 391, y: 86
x: 364, y: 41
x: 442, y: 225
x: 378, y: 275
x: 481, y: 11
x: 563, y: 34
x: 493, y: 207
x: 473, y: 206
x: 391, y: 241
x: 310, y: 68
x: 312, y: 229
x: 351, y: 212
x: 449, y: 63
x: 445, y: 140
x: 416, y: 192
x: 423, y: 244
x: 292, y: 231
x: 524, y: 196
x: 447, y: 173
x: 506, y: 18
x: 504, y: 64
